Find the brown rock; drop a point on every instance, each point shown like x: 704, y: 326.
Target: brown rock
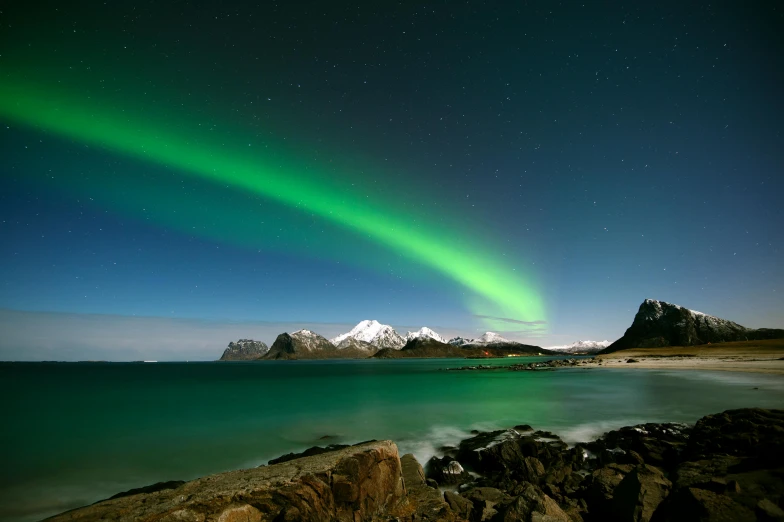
x: 485, y: 502
x: 532, y: 506
x: 243, y: 513
x: 700, y: 505
x: 639, y: 494
x: 361, y: 482
x: 424, y: 502
x: 459, y: 505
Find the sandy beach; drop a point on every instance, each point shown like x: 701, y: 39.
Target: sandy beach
x: 748, y: 356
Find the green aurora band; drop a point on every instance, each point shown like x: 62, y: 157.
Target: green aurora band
x: 496, y: 290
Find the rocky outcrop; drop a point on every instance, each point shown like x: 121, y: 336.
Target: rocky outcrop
x: 305, y: 344
x: 729, y: 466
x: 660, y: 324
x: 363, y: 482
x: 244, y: 350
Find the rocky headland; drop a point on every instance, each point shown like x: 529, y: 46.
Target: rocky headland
x: 659, y: 324
x: 727, y: 467
x: 244, y: 350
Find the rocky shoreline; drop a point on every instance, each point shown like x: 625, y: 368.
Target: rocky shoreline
x: 729, y: 466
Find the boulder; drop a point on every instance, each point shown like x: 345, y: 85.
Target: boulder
x: 361, y: 482
x: 639, y: 494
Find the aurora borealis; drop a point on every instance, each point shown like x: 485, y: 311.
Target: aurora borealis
x: 481, y: 274
x: 536, y: 171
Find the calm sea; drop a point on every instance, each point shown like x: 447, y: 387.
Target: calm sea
x: 76, y: 433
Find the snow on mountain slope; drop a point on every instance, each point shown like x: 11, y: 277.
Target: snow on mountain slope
x: 486, y: 338
x: 492, y: 337
x: 375, y: 333
x: 582, y: 347
x: 424, y: 333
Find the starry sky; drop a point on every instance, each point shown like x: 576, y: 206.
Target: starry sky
x: 205, y: 171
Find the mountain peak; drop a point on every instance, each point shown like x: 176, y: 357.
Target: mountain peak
x: 659, y: 323
x: 582, y: 347
x: 424, y: 333
x: 373, y: 332
x: 492, y: 337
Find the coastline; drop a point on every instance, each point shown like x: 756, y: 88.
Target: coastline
x: 724, y: 467
x: 748, y: 356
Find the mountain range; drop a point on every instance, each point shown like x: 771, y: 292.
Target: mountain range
x: 581, y: 347
x: 369, y: 338
x: 656, y: 324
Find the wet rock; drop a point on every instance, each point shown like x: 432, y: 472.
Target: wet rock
x: 660, y: 445
x: 639, y: 494
x: 447, y: 471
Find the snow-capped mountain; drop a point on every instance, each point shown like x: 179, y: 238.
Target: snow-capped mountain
x: 582, y: 347
x: 310, y: 340
x: 486, y: 338
x: 375, y: 333
x: 351, y: 343
x: 659, y: 323
x: 424, y: 333
x: 492, y: 337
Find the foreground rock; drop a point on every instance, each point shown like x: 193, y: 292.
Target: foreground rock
x: 358, y: 483
x: 244, y: 350
x: 728, y: 467
x: 659, y: 324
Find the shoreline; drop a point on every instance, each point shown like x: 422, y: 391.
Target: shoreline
x: 747, y: 356
x: 724, y: 467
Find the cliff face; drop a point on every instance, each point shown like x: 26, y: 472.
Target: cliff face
x: 361, y: 482
x: 244, y: 350
x: 663, y: 324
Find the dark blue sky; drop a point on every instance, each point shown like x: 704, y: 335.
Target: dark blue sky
x: 613, y: 153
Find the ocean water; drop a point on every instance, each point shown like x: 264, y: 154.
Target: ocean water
x: 75, y: 433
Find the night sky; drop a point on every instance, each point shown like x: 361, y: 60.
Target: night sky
x: 523, y: 167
